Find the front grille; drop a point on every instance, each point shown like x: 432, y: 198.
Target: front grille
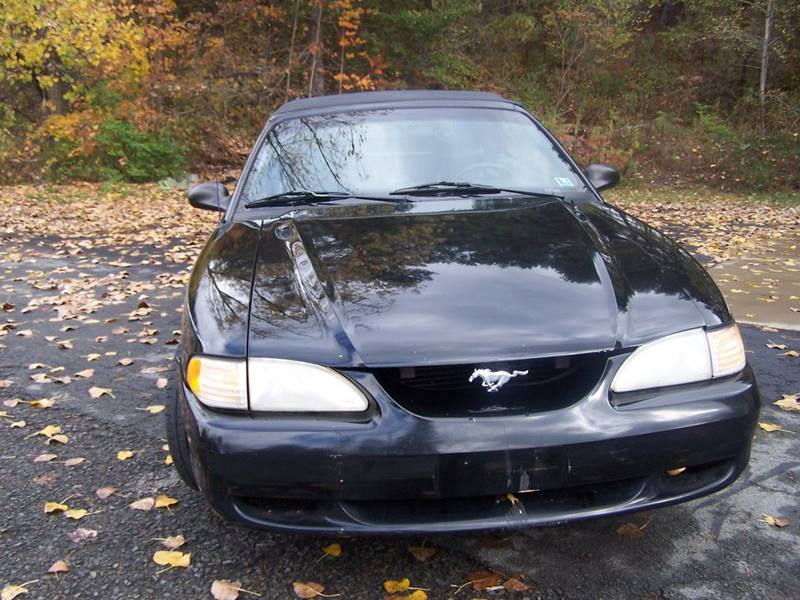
x: 445, y: 390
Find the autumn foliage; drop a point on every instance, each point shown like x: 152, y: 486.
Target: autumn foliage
x: 140, y: 90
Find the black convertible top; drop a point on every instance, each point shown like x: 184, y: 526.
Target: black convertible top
x: 392, y: 97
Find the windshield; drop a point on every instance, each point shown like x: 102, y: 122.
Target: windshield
x: 378, y: 151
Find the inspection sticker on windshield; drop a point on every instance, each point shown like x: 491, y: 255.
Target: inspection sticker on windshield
x: 564, y: 181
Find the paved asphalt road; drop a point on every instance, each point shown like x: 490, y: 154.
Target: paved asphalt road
x: 711, y: 548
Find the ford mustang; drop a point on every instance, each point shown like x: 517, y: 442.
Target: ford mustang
x: 417, y: 314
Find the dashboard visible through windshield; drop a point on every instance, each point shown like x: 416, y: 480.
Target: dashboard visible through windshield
x: 377, y: 151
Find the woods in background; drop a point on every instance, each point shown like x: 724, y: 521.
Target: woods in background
x: 140, y: 90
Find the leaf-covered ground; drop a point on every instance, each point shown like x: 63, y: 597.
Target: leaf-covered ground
x: 91, y: 284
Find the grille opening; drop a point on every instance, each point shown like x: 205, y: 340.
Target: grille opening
x: 445, y: 391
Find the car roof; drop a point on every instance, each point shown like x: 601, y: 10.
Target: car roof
x: 394, y: 98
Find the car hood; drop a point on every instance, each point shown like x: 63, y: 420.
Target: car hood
x: 457, y: 281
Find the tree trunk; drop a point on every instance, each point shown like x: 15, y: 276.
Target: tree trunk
x: 291, y: 50
x: 316, y: 82
x: 762, y: 88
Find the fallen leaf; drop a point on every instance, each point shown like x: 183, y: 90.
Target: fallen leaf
x: 632, y: 530
x: 42, y: 403
x: 92, y: 356
x: 421, y: 553
x: 334, y: 550
x: 48, y: 431
x: 770, y: 427
x: 11, y: 402
x: 224, y: 589
x: 5, y: 383
x: 76, y: 513
x: 58, y: 567
x: 104, y: 492
x: 17, y: 424
x: 11, y: 591
x: 773, y: 346
x: 483, y: 579
x: 124, y: 454
x: 307, y: 589
x: 25, y: 333
x: 125, y: 361
x: 82, y: 534
x: 168, y: 459
x: 172, y: 558
x: 143, y: 504
x: 513, y: 584
x: 85, y: 374
x: 59, y: 437
x: 792, y: 353
x: 173, y: 542
x: 393, y: 586
x: 96, y: 392
x: 52, y: 507
x: 165, y: 501
x: 71, y: 462
x: 775, y: 521
x: 676, y: 471
x: 161, y: 382
x: 789, y: 402
x: 153, y: 409
x: 45, y: 457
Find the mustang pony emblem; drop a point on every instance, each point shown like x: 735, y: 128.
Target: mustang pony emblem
x: 494, y: 380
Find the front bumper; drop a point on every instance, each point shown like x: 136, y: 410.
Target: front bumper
x: 396, y: 472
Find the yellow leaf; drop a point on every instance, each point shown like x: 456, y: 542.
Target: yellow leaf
x: 92, y: 356
x: 334, y: 550
x: 96, y: 392
x: 168, y: 459
x: 792, y: 353
x: 675, y: 472
x: 775, y: 521
x: 153, y: 409
x: 392, y: 586
x: 49, y: 431
x: 76, y: 513
x: 124, y: 454
x: 770, y: 427
x: 85, y: 374
x: 789, y: 402
x: 172, y: 558
x: 59, y: 437
x: 418, y: 595
x: 165, y: 501
x: 17, y: 424
x: 50, y: 507
x: 11, y: 591
x: 43, y: 403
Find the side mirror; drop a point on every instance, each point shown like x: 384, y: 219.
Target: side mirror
x: 602, y: 176
x: 210, y: 196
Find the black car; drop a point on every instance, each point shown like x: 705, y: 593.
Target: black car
x: 417, y: 314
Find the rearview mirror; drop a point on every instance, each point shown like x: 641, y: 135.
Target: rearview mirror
x: 602, y: 176
x: 210, y: 196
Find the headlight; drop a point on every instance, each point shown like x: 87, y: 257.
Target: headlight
x: 289, y: 386
x: 275, y: 385
x: 218, y: 382
x: 686, y: 357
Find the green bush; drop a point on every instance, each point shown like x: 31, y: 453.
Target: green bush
x: 121, y: 152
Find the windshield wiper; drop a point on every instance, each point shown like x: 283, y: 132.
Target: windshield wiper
x: 464, y: 188
x: 295, y: 197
